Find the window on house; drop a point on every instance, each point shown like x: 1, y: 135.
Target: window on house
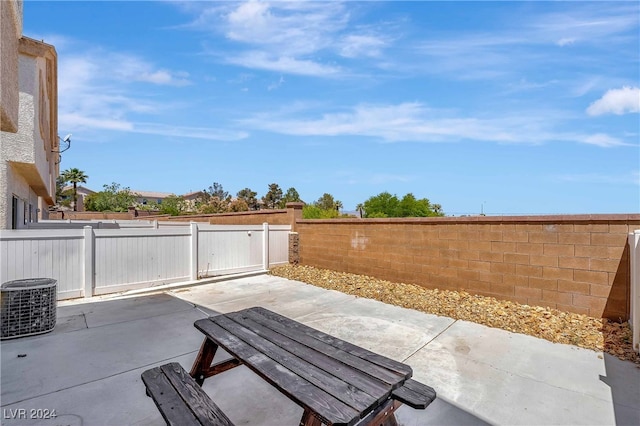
x: 144, y: 201
x: 24, y: 212
x: 159, y: 201
x: 14, y: 213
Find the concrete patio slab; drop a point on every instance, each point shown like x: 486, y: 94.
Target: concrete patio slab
x: 88, y: 369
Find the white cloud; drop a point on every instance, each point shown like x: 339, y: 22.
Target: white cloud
x: 566, y: 41
x: 354, y: 45
x: 602, y: 140
x: 94, y: 95
x: 412, y: 121
x: 283, y: 64
x: 617, y: 101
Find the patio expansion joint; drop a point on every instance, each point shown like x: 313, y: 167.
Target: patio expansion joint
x: 427, y: 343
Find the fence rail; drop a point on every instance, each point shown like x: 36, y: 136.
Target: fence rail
x: 96, y: 260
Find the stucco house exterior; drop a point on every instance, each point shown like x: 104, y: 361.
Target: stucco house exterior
x: 29, y: 161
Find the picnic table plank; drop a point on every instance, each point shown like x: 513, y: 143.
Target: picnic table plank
x: 291, y: 341
x: 398, y: 367
x: 327, y: 408
x: 298, y: 360
x: 205, y: 410
x: 371, y: 369
x: 156, y: 382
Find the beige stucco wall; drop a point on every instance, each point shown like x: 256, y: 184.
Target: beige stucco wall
x: 28, y: 167
x: 10, y: 32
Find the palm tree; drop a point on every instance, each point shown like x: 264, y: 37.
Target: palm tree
x: 74, y: 176
x: 359, y: 208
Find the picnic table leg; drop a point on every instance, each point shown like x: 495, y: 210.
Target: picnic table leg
x: 383, y: 416
x: 203, y: 361
x: 308, y: 419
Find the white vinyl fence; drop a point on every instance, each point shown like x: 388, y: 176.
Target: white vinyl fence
x: 634, y: 245
x: 91, y: 261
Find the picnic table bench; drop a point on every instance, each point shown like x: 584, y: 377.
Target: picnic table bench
x: 335, y: 382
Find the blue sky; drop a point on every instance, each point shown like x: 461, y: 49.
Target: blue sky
x: 509, y: 107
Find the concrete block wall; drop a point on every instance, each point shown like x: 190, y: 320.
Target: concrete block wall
x: 577, y: 263
x: 287, y: 216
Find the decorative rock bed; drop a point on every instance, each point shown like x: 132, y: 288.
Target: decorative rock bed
x: 550, y: 324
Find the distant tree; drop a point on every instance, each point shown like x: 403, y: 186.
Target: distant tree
x: 237, y: 205
x: 173, y: 205
x: 327, y: 202
x: 111, y: 198
x: 291, y: 196
x: 63, y: 196
x: 387, y: 205
x: 360, y: 209
x: 216, y: 190
x: 312, y: 211
x: 214, y: 205
x: 249, y: 197
x: 75, y: 176
x: 271, y: 199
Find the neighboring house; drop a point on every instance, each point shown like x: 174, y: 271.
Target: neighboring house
x: 150, y: 198
x: 81, y: 193
x: 191, y: 198
x: 28, y: 157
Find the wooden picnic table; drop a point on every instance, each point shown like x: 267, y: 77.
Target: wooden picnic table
x: 335, y: 382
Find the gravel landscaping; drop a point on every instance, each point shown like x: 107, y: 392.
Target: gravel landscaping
x: 550, y: 324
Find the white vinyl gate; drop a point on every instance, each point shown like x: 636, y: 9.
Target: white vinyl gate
x: 91, y: 261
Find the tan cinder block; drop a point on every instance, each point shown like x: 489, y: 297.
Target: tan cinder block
x: 515, y: 236
x: 558, y: 249
x: 469, y: 255
x: 529, y: 270
x: 591, y: 227
x: 516, y: 258
x: 592, y: 277
x: 527, y: 292
x: 529, y: 248
x: 543, y: 237
x: 599, y: 290
x: 543, y: 260
x: 491, y: 277
x: 491, y: 256
x: 479, y: 287
x: 502, y: 289
x: 619, y: 228
x: 543, y: 283
x: 503, y: 247
x: 503, y: 268
x: 608, y: 240
x: 529, y: 227
x: 607, y: 265
x: 557, y: 297
x: 480, y: 245
x: 479, y: 265
x: 573, y: 262
x: 557, y: 273
x: 575, y: 238
x: 601, y: 252
x: 469, y: 275
x: 596, y: 305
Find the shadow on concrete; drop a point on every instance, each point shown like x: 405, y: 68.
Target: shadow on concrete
x: 625, y: 389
